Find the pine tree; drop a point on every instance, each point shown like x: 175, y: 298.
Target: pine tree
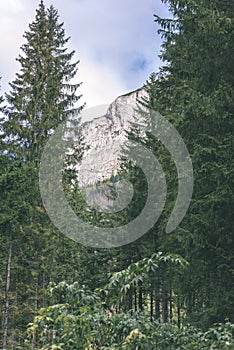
x: 41, y: 96
x: 195, y: 92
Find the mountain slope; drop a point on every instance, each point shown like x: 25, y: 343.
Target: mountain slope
x: 105, y: 136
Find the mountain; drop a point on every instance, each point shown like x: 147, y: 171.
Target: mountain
x: 104, y: 137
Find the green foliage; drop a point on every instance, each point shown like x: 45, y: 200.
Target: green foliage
x: 193, y: 90
x: 144, y: 271
x: 41, y: 96
x: 150, y: 297
x: 83, y: 322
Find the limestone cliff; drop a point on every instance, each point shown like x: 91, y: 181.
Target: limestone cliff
x: 105, y: 135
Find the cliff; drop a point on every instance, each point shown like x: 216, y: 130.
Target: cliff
x: 104, y: 137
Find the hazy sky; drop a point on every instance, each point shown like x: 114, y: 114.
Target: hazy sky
x: 116, y: 42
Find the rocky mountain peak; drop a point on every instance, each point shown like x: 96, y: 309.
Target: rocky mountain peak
x: 105, y: 135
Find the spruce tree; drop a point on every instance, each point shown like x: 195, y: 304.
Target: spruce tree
x: 194, y: 91
x: 41, y: 96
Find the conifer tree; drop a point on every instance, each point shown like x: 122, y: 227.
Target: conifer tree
x: 41, y: 96
x: 194, y: 91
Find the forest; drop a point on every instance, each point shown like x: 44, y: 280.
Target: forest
x: 162, y: 291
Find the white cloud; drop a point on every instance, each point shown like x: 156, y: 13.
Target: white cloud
x: 100, y: 84
x: 116, y: 42
x: 10, y: 6
x: 15, y: 15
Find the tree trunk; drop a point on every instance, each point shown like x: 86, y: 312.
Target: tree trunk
x: 140, y: 297
x: 178, y: 315
x: 165, y: 307
x: 8, y: 279
x: 171, y: 305
x: 130, y: 299
x: 157, y: 301
x: 135, y: 298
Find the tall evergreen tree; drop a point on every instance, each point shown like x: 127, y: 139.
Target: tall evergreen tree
x: 194, y: 91
x: 41, y: 96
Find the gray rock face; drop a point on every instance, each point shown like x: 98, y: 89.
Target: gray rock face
x: 105, y: 135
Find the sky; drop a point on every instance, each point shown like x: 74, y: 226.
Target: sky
x: 116, y: 42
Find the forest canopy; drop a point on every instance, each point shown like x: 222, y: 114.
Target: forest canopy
x: 163, y: 291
